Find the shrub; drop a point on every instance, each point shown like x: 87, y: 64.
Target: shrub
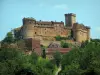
x: 59, y: 38
x: 64, y: 44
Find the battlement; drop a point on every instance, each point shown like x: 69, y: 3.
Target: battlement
x: 70, y: 14
x: 29, y: 18
x: 80, y: 26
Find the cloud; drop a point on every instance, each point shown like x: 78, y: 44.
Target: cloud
x: 61, y: 6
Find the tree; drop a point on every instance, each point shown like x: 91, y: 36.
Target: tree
x: 10, y: 61
x: 34, y: 58
x: 64, y: 44
x: 25, y: 72
x: 43, y: 53
x: 57, y: 58
x: 9, y: 38
x: 82, y: 61
x: 84, y: 43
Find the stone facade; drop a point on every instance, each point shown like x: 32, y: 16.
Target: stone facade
x: 47, y: 30
x: 81, y: 32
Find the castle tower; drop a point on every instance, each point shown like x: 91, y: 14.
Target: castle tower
x: 28, y: 21
x: 70, y: 19
x: 88, y: 34
x: 27, y: 29
x: 81, y: 33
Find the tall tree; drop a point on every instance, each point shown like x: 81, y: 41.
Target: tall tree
x: 43, y: 53
x: 9, y: 38
x: 57, y: 58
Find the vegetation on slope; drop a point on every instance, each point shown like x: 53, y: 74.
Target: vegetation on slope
x: 83, y: 60
x: 15, y: 62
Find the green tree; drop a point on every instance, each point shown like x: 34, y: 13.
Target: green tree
x: 34, y: 58
x: 10, y: 61
x: 64, y: 44
x: 44, y: 53
x: 57, y: 58
x: 16, y: 62
x: 9, y: 38
x: 82, y: 61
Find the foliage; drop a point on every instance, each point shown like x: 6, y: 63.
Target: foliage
x: 43, y: 53
x: 57, y: 58
x: 82, y: 61
x: 64, y: 44
x: 9, y: 38
x: 16, y: 62
x: 84, y: 43
x: 10, y: 61
x: 59, y: 38
x: 95, y: 40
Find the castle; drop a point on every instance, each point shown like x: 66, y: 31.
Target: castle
x: 47, y: 30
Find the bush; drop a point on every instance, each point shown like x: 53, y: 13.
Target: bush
x: 64, y: 44
x: 59, y: 38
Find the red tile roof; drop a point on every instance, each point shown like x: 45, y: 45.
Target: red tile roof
x: 61, y: 50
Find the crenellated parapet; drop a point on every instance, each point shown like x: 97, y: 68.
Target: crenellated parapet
x: 80, y: 26
x: 70, y: 14
x: 27, y: 21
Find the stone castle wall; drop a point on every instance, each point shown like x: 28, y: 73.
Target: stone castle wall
x: 47, y: 30
x: 43, y: 30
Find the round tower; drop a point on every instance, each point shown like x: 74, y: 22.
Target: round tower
x: 88, y: 34
x: 27, y: 29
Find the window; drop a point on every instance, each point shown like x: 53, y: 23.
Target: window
x: 35, y: 32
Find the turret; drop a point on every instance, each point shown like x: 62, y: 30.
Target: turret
x: 70, y: 19
x: 28, y: 21
x: 27, y: 29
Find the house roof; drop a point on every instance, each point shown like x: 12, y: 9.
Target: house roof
x: 61, y: 50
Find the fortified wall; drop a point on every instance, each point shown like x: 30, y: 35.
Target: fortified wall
x: 47, y: 30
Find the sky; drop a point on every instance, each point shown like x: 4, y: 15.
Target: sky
x: 13, y: 11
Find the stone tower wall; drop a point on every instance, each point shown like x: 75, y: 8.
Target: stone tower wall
x: 27, y: 28
x: 81, y: 33
x: 70, y: 19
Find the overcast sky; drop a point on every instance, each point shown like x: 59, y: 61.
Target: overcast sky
x: 12, y: 12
